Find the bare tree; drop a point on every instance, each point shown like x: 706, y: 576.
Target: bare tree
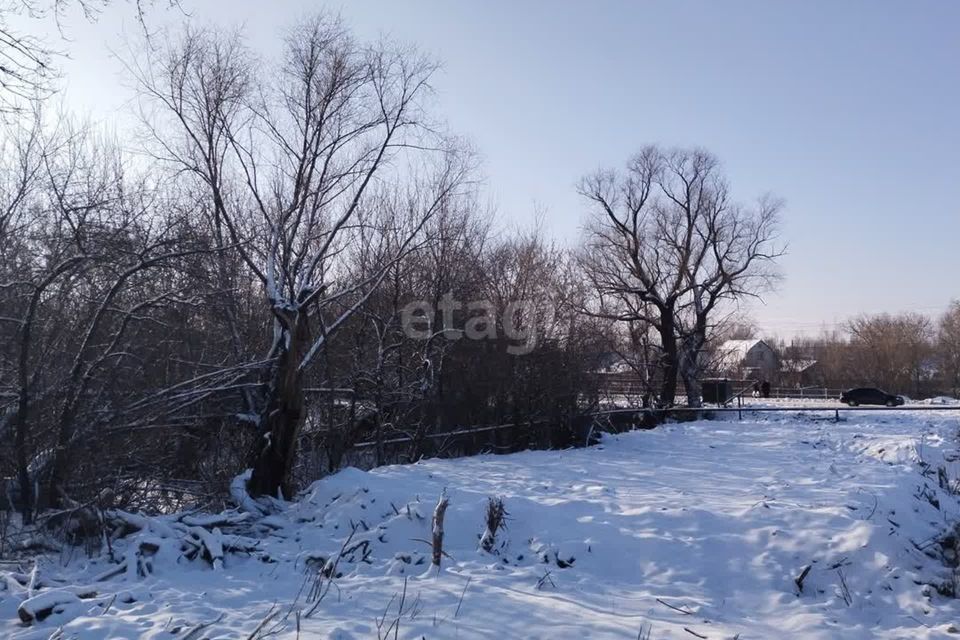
x: 891, y: 351
x: 28, y: 64
x: 667, y: 247
x: 40, y: 253
x: 948, y: 346
x: 288, y: 157
x: 89, y: 254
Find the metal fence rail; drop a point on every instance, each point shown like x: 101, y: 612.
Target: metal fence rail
x: 634, y: 388
x: 835, y: 409
x: 632, y: 385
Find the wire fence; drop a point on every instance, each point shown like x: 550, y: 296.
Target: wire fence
x: 631, y: 385
x: 831, y: 409
x: 621, y: 408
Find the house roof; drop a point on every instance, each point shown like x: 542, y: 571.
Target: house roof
x: 797, y: 366
x: 732, y: 353
x: 738, y: 349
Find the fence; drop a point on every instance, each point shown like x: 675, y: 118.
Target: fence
x: 624, y: 393
x: 803, y: 393
x: 404, y: 448
x: 835, y: 409
x: 630, y: 385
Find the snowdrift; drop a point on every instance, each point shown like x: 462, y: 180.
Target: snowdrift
x: 794, y: 527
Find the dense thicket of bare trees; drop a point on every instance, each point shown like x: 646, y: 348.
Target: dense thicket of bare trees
x: 93, y: 260
x: 893, y: 349
x: 292, y: 258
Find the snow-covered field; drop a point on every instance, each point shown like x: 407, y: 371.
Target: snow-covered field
x: 696, y: 530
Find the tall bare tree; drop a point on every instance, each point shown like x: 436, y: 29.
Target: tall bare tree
x: 288, y: 155
x: 666, y: 246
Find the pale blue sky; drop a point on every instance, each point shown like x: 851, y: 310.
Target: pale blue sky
x: 848, y: 110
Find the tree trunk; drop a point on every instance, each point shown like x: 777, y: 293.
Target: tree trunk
x: 21, y: 418
x: 691, y: 380
x: 51, y: 497
x: 690, y: 365
x: 23, y: 474
x: 669, y: 360
x: 283, y: 415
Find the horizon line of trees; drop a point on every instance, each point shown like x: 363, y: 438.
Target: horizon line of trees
x: 909, y: 353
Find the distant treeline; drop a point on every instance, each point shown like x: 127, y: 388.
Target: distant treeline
x: 908, y: 353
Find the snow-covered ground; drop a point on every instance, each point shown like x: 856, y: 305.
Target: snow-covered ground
x: 695, y: 530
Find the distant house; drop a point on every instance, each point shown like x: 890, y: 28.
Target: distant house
x: 612, y: 362
x: 746, y: 360
x: 800, y: 372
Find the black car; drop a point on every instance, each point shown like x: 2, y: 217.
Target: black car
x: 855, y: 397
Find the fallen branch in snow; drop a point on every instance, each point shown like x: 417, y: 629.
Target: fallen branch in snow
x: 844, y: 589
x: 194, y: 631
x: 670, y: 606
x: 28, y: 583
x: 211, y: 545
x: 135, y: 561
x: 192, y: 535
x: 242, y: 498
x: 694, y: 633
x: 39, y: 607
x: 215, y: 519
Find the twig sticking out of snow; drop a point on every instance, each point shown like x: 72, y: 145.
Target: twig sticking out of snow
x: 437, y: 527
x: 395, y: 623
x: 258, y: 631
x: 803, y: 576
x: 32, y: 585
x: 544, y: 580
x: 462, y: 593
x: 844, y: 589
x: 324, y: 578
